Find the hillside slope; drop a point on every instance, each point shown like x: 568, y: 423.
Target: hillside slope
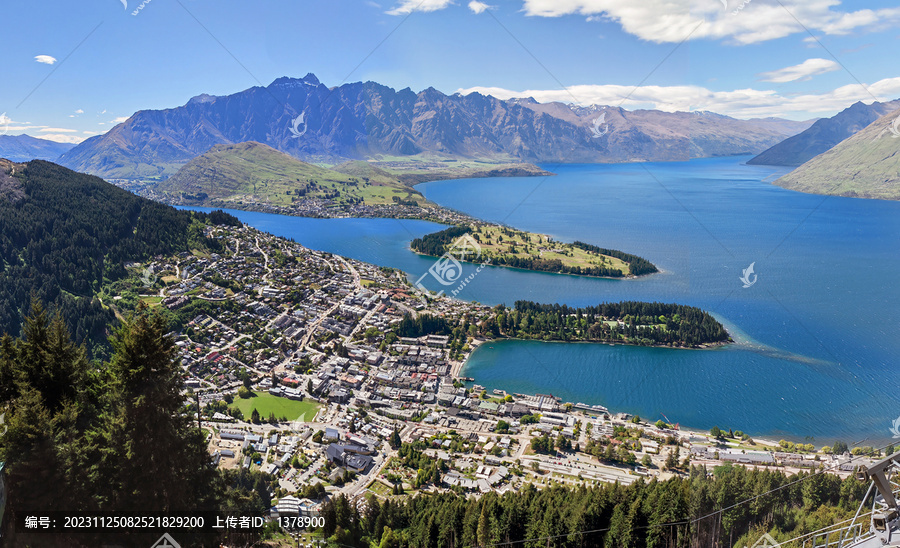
x: 823, y: 135
x: 253, y: 173
x: 64, y: 234
x: 866, y: 165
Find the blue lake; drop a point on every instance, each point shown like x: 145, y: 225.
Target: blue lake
x: 818, y: 332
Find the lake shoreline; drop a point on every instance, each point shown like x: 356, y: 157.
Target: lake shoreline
x: 482, y: 342
x: 628, y: 277
x: 736, y: 217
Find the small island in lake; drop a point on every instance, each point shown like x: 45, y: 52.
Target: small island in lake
x: 504, y: 246
x: 627, y: 322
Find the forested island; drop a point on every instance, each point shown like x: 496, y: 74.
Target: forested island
x: 627, y: 322
x: 506, y: 246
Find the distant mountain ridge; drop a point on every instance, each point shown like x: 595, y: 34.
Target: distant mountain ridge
x: 866, y: 165
x: 368, y: 120
x: 24, y: 148
x: 823, y: 134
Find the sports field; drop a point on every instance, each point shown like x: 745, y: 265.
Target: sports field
x: 282, y: 407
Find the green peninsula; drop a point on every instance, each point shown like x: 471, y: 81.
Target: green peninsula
x: 506, y: 246
x: 627, y: 322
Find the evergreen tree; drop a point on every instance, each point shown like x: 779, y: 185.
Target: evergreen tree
x: 484, y: 527
x: 394, y: 440
x: 151, y: 435
x: 111, y: 437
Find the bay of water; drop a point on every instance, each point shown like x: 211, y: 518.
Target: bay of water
x: 818, y: 332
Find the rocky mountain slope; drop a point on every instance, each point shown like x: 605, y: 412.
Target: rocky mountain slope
x: 866, y: 165
x: 823, y: 135
x: 312, y: 122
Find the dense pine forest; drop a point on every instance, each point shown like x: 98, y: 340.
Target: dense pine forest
x: 630, y: 322
x: 680, y: 512
x: 64, y: 234
x: 438, y: 243
x: 114, y: 437
x: 637, y: 265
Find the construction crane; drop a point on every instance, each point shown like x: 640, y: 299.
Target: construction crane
x: 884, y: 518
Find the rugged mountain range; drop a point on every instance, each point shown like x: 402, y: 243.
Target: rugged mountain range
x: 23, y: 148
x: 312, y: 122
x: 824, y: 134
x: 866, y: 165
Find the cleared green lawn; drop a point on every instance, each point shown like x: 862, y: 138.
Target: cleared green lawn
x: 380, y: 489
x: 496, y: 240
x: 282, y: 407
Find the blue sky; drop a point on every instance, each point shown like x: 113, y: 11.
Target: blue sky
x: 75, y: 69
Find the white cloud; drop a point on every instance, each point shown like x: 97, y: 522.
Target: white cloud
x: 46, y: 59
x: 62, y: 138
x: 479, y: 7
x: 675, y: 20
x: 59, y: 130
x: 804, y: 71
x: 118, y: 120
x: 79, y: 111
x: 739, y: 103
x: 8, y: 125
x: 409, y: 6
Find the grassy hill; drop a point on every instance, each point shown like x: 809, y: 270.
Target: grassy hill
x: 506, y: 246
x: 255, y: 173
x: 866, y: 165
x: 824, y: 134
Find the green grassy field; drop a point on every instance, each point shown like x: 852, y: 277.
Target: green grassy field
x: 267, y: 403
x: 501, y: 241
x: 380, y: 489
